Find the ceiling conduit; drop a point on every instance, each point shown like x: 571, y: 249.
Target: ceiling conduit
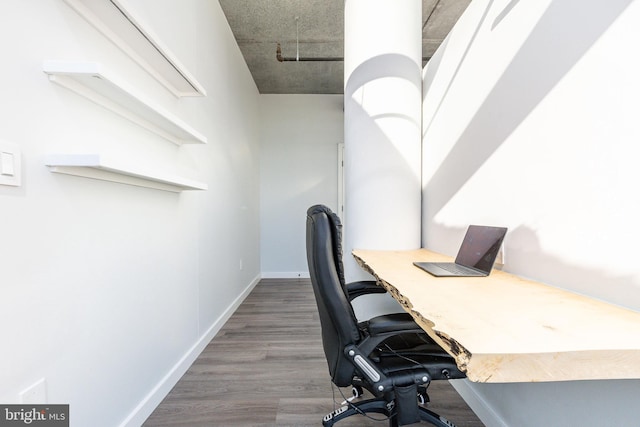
x: 297, y: 58
x: 281, y: 58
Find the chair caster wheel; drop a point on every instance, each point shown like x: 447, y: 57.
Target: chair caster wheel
x: 356, y: 391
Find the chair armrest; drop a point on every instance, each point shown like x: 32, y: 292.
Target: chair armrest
x: 364, y: 287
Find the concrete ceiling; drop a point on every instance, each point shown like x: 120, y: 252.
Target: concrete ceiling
x: 259, y: 25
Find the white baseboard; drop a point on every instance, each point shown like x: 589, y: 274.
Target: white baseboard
x: 286, y: 275
x: 477, y: 404
x: 164, y: 386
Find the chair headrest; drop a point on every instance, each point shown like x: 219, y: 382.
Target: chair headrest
x: 336, y: 234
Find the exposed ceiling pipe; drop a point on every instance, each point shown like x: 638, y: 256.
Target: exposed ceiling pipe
x: 299, y: 58
x: 281, y: 58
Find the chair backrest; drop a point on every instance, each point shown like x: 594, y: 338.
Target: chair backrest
x: 337, y: 319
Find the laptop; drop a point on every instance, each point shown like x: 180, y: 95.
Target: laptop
x: 475, y: 257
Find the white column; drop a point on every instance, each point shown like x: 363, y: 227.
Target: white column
x: 382, y: 99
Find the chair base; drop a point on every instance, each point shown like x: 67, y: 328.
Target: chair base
x: 379, y: 406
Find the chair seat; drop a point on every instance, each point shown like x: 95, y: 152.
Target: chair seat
x: 391, y: 323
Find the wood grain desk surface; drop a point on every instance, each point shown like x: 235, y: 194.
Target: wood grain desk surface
x: 503, y: 328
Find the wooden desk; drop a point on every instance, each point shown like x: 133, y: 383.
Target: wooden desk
x: 503, y: 328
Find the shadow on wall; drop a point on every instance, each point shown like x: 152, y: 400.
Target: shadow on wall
x: 382, y: 152
x: 380, y: 67
x: 527, y: 80
x: 383, y: 174
x: 526, y: 256
x: 434, y: 64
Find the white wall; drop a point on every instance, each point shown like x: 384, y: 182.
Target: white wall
x: 298, y: 168
x: 108, y: 291
x: 530, y: 121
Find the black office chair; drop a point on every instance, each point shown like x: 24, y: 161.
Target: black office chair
x: 389, y: 355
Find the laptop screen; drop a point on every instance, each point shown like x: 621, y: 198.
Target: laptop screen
x: 480, y: 247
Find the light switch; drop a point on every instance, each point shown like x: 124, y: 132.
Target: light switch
x: 10, y: 164
x: 6, y: 164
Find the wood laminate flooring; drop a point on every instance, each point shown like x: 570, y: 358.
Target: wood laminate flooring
x: 266, y: 367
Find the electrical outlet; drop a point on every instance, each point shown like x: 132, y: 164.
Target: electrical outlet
x: 36, y: 394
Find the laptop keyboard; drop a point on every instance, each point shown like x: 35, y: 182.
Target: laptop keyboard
x: 452, y: 268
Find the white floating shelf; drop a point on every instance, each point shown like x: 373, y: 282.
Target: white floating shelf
x: 97, y: 166
x: 117, y: 22
x: 90, y: 80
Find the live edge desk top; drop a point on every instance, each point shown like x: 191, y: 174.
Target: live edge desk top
x: 503, y: 328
